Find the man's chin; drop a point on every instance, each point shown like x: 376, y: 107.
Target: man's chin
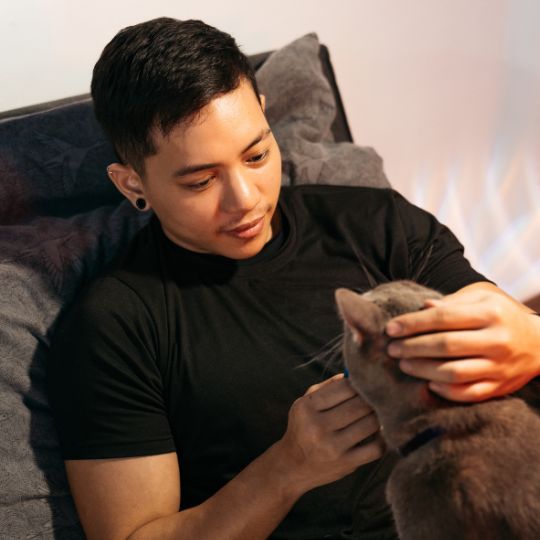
x: 241, y: 249
x: 244, y: 253
x: 248, y: 250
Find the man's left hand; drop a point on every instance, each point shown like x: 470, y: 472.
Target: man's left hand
x: 475, y: 344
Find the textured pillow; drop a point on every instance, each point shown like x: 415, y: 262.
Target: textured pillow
x: 301, y: 107
x: 61, y: 222
x: 41, y: 266
x: 53, y: 163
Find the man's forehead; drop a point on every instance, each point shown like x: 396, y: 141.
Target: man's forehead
x: 237, y: 132
x: 241, y: 98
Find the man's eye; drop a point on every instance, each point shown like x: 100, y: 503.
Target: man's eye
x: 259, y: 157
x: 200, y: 185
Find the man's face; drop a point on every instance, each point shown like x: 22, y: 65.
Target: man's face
x: 214, y: 182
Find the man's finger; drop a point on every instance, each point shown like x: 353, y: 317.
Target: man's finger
x: 365, y: 453
x: 359, y: 431
x: 442, y: 317
x: 453, y: 344
x: 449, y: 372
x: 346, y: 413
x: 330, y: 393
x: 475, y: 392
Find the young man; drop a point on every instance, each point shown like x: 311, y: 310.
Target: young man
x: 185, y: 405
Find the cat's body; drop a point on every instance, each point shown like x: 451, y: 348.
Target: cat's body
x: 468, y: 471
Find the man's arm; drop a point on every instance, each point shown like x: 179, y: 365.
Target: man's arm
x: 139, y: 498
x: 475, y: 344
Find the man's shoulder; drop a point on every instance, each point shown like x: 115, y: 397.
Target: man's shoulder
x: 335, y: 190
x: 131, y: 280
x: 106, y: 298
x: 321, y: 199
x: 353, y: 195
x: 140, y: 260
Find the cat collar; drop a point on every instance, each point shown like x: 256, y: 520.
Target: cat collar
x: 420, y: 439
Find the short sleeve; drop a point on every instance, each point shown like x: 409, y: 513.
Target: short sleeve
x: 105, y: 388
x: 436, y: 257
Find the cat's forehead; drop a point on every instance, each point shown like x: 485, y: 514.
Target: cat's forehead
x: 400, y: 296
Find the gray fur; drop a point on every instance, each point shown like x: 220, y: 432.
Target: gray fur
x: 478, y: 481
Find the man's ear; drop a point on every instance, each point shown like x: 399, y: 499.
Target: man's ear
x: 127, y: 182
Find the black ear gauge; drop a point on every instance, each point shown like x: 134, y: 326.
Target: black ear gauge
x: 140, y: 204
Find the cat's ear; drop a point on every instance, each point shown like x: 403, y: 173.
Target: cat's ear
x: 363, y: 317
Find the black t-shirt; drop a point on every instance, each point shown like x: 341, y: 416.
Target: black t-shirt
x: 203, y: 355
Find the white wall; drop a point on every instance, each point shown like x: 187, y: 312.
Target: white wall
x: 448, y: 92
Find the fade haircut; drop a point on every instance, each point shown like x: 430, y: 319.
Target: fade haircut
x: 156, y: 74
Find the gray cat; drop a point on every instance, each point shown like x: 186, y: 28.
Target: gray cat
x: 466, y: 471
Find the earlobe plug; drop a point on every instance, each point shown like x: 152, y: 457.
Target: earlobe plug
x: 140, y: 203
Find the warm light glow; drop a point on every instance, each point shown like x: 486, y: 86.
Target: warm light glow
x: 495, y: 211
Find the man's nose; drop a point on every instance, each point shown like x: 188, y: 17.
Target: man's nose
x: 240, y: 193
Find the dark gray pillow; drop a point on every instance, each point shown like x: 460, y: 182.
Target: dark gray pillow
x: 61, y: 222
x: 53, y: 163
x: 301, y: 107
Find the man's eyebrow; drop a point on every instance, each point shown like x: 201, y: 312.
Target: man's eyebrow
x: 190, y: 169
x: 263, y: 134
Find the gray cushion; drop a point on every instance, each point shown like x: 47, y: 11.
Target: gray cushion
x: 42, y: 264
x: 53, y: 163
x: 62, y: 221
x: 301, y: 107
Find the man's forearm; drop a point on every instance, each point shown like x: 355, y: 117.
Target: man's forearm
x: 249, y: 507
x: 486, y: 286
x: 138, y: 498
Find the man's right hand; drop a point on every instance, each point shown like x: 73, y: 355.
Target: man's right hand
x: 325, y: 432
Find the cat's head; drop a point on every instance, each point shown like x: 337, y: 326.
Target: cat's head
x: 373, y: 373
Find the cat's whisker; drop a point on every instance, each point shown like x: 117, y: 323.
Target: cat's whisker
x: 329, y: 356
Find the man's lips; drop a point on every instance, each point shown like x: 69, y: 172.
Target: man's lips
x: 247, y: 230
x: 245, y: 226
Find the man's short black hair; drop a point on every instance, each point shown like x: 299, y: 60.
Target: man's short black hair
x: 156, y: 74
